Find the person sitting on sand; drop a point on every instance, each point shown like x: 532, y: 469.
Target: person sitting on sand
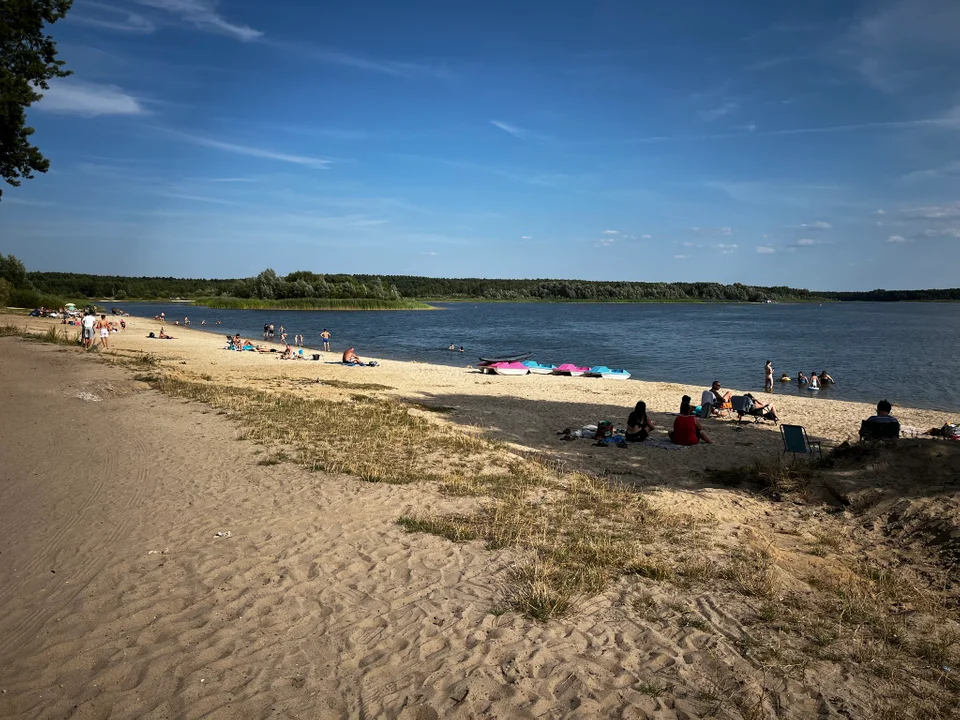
x: 287, y: 354
x: 163, y: 335
x: 801, y: 378
x: 826, y: 379
x: 639, y: 425
x: 350, y: 358
x: 686, y: 428
x: 237, y: 342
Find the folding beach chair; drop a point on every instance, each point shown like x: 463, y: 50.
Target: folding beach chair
x: 879, y: 431
x: 795, y: 441
x: 742, y: 405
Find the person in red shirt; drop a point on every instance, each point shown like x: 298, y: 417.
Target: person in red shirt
x: 686, y: 427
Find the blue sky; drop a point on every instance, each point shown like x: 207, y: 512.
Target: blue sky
x: 812, y: 144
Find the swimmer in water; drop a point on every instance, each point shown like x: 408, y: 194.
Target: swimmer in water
x: 826, y: 379
x: 784, y: 378
x: 801, y: 378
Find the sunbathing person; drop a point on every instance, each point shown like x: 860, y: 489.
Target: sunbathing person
x: 686, y: 428
x: 639, y: 426
x: 350, y: 358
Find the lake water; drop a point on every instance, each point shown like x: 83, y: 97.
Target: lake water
x: 906, y: 352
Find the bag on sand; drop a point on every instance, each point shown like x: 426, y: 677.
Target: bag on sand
x: 604, y: 429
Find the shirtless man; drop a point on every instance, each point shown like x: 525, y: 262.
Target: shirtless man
x: 326, y: 340
x: 104, y: 327
x: 350, y: 358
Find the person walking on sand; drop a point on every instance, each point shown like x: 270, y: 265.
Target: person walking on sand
x: 768, y: 377
x: 104, y: 327
x: 326, y: 340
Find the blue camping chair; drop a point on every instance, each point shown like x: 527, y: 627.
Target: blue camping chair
x: 795, y: 441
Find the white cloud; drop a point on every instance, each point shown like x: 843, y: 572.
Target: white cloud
x: 727, y: 249
x: 203, y: 15
x: 681, y: 257
x: 896, y: 239
x: 88, y: 99
x: 611, y: 232
x: 646, y: 236
x: 749, y: 127
x: 934, y: 212
x: 765, y: 250
x: 807, y: 242
x: 718, y: 112
x: 881, y: 211
x: 943, y: 232
x: 431, y: 254
x: 526, y: 237
x: 725, y: 231
x: 305, y: 160
x: 111, y: 18
x: 517, y: 132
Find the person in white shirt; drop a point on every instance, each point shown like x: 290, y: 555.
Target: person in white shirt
x: 89, y: 321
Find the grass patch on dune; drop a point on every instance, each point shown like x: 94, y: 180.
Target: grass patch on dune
x: 56, y: 335
x: 376, y: 440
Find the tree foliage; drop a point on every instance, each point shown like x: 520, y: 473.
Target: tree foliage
x: 28, y: 59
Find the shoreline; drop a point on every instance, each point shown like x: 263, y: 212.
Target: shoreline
x: 526, y: 410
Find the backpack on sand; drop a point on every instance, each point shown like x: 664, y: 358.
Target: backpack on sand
x: 604, y: 429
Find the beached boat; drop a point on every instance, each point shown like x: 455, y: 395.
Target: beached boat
x: 509, y: 368
x: 520, y: 357
x: 570, y: 369
x: 538, y: 368
x: 602, y: 371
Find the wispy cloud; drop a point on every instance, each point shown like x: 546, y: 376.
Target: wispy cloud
x: 611, y: 232
x: 769, y: 64
x: 727, y: 249
x: 724, y: 231
x: 933, y: 212
x: 304, y: 160
x: 646, y: 236
x: 718, y: 112
x: 526, y: 237
x: 431, y: 254
x: 896, y: 239
x: 203, y: 15
x: 540, y: 179
x: 517, y: 132
x: 943, y: 232
x: 807, y: 242
x: 73, y: 97
x: 109, y: 17
x: 817, y: 225
x: 891, y: 47
x: 380, y: 66
x: 948, y: 170
x: 765, y: 250
x: 681, y: 257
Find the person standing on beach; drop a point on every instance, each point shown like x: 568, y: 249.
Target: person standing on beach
x: 104, y: 327
x: 89, y: 319
x: 768, y: 379
x: 326, y: 340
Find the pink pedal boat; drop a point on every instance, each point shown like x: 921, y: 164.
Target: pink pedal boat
x: 570, y: 369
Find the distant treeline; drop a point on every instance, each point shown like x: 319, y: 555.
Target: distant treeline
x: 233, y: 303
x: 896, y: 295
x: 267, y: 290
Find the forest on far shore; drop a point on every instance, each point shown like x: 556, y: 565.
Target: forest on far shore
x: 26, y: 289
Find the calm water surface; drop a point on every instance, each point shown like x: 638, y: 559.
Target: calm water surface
x: 906, y: 352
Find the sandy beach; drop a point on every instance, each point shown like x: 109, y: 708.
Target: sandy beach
x: 154, y: 565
